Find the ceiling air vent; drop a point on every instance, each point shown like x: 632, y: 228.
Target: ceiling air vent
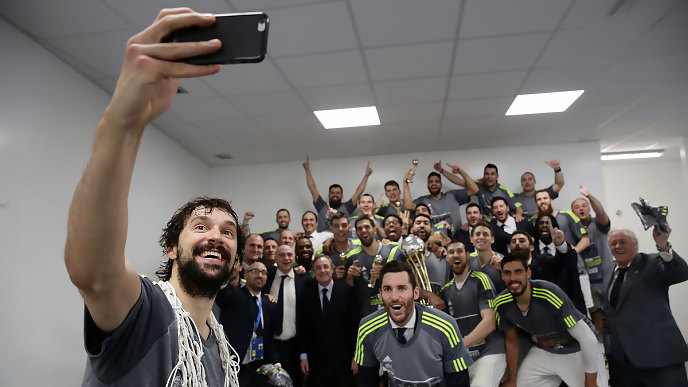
x: 223, y: 156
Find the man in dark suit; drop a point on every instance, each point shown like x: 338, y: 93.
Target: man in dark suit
x: 644, y: 344
x: 248, y: 317
x: 327, y: 328
x: 556, y: 261
x: 287, y: 288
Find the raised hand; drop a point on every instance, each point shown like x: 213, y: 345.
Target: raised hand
x: 149, y: 78
x: 368, y: 170
x: 307, y: 164
x: 584, y: 191
x: 438, y: 166
x: 455, y: 168
x: 554, y: 164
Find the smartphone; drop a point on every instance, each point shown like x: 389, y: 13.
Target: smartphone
x: 244, y: 38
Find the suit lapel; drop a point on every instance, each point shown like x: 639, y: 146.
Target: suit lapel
x: 631, y: 275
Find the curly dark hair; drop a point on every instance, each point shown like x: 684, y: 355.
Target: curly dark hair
x: 170, y: 234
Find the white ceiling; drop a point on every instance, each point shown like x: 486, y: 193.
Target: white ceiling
x: 442, y: 73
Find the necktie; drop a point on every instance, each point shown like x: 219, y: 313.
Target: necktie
x: 400, y: 335
x: 325, y: 301
x: 280, y: 307
x: 616, y: 288
x: 259, y: 329
x: 545, y: 250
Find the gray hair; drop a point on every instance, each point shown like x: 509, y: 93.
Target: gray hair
x: 625, y: 231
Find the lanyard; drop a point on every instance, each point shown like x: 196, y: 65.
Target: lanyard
x: 260, y: 310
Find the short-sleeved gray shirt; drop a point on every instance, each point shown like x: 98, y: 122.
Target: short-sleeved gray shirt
x: 485, y: 198
x: 447, y: 207
x: 369, y: 297
x: 143, y: 350
x: 465, y: 305
x: 549, y: 316
x: 324, y: 219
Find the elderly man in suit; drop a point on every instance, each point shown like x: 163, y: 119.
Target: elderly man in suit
x: 286, y: 287
x: 644, y: 344
x: 248, y: 318
x: 327, y: 328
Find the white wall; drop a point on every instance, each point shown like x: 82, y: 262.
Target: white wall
x: 659, y: 182
x: 48, y: 116
x: 265, y: 188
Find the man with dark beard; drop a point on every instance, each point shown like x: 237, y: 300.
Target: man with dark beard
x: 304, y: 253
x: 470, y: 299
x: 361, y: 273
x: 335, y: 195
x: 139, y: 332
x: 565, y: 348
x: 439, y: 271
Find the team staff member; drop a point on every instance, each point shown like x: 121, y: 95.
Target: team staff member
x: 565, y: 349
x: 327, y: 328
x: 248, y: 317
x: 131, y: 323
x: 414, y: 344
x: 644, y: 345
x: 470, y: 299
x: 286, y: 287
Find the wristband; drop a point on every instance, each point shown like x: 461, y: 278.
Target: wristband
x: 557, y: 170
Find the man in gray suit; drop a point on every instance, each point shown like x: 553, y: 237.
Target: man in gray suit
x: 644, y: 344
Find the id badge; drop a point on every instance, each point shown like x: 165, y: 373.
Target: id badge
x: 256, y: 348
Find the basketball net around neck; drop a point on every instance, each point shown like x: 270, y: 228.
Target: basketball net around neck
x: 189, y: 365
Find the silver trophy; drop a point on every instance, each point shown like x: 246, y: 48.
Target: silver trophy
x: 413, y: 249
x: 414, y: 165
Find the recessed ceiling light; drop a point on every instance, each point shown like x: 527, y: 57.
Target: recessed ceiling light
x: 543, y: 102
x: 347, y: 118
x: 632, y: 155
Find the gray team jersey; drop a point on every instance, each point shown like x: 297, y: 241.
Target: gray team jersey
x: 436, y: 348
x: 369, y: 297
x: 550, y: 314
x: 324, y: 219
x: 485, y: 198
x: 597, y: 257
x: 388, y: 209
x: 528, y: 202
x: 492, y: 272
x: 439, y: 271
x: 447, y: 207
x: 352, y: 223
x: 143, y: 350
x: 465, y: 305
x: 336, y: 255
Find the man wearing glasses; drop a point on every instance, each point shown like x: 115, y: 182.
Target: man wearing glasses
x: 248, y: 318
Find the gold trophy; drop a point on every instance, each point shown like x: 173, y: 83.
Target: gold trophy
x: 342, y: 259
x: 376, y: 262
x: 414, y: 165
x: 413, y: 249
